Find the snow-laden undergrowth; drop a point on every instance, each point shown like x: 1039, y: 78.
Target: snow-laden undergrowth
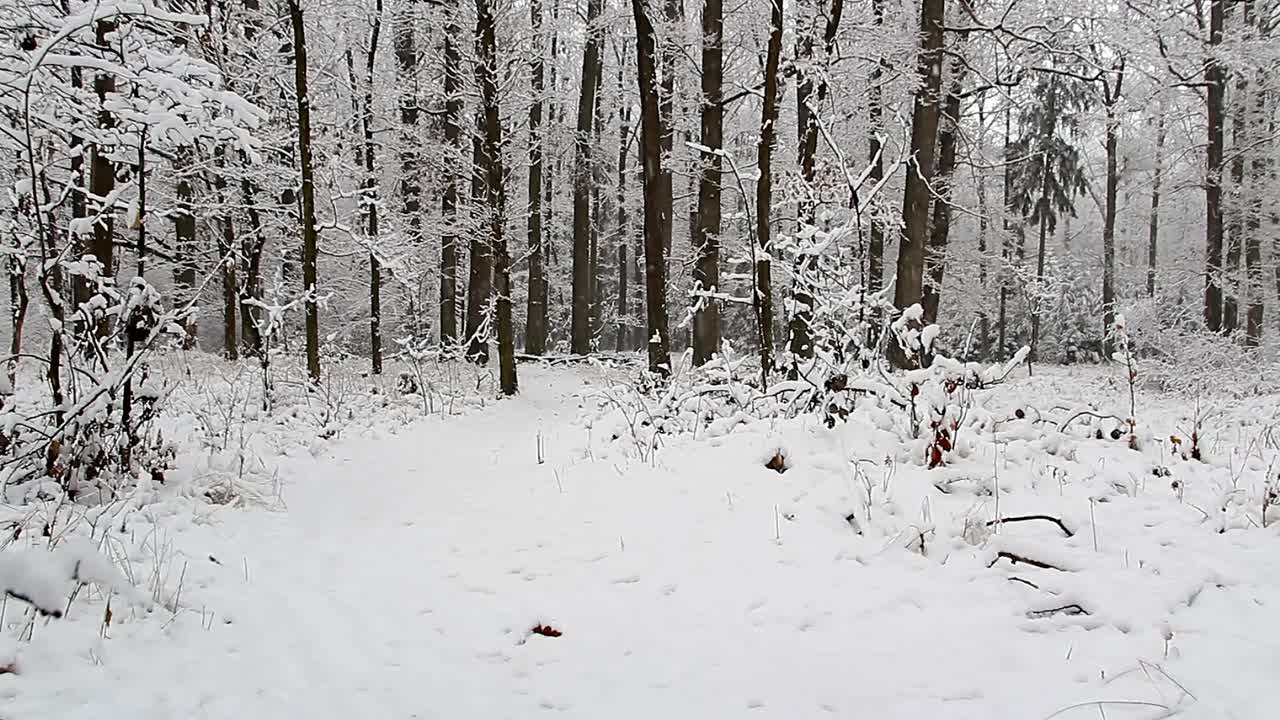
x: 596, y: 548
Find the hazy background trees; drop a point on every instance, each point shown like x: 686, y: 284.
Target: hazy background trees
x: 586, y: 175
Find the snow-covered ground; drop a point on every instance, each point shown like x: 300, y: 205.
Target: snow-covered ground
x: 402, y: 569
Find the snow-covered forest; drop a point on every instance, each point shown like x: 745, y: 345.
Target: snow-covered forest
x: 500, y: 358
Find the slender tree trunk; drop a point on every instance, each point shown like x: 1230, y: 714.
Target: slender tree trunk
x: 1112, y: 98
x: 535, y: 340
x: 1234, y: 239
x: 1153, y: 227
x: 920, y: 168
x: 936, y: 253
x: 875, y: 123
x: 251, y: 250
x: 656, y: 230
x: 706, y: 239
x: 622, y: 341
x: 1255, y: 291
x: 449, y: 198
x: 102, y: 177
x: 310, y: 249
x: 764, y: 188
x: 1041, y: 252
x: 370, y: 198
x: 184, y: 231
x: 480, y: 282
x: 406, y: 55
x: 1214, y: 77
x: 667, y: 54
x: 1005, y: 241
x: 580, y: 340
x: 487, y: 67
x: 226, y: 255
x: 598, y: 219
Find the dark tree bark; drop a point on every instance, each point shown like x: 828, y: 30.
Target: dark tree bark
x: 623, y: 232
x: 920, y: 168
x: 406, y: 53
x: 764, y: 188
x: 487, y: 68
x: 1153, y: 227
x: 184, y: 232
x: 598, y: 219
x: 370, y: 196
x: 310, y: 249
x: 252, y: 248
x: 875, y: 112
x: 936, y: 253
x: 1234, y: 238
x: 1111, y: 93
x: 226, y: 256
x: 706, y: 237
x: 1003, y: 312
x: 102, y: 174
x: 1214, y: 77
x: 580, y: 338
x: 535, y: 340
x: 667, y: 54
x: 984, y: 317
x: 1254, y: 289
x: 656, y: 231
x: 480, y: 281
x: 449, y: 199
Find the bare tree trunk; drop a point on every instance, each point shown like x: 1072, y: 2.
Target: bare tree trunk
x: 667, y: 53
x: 226, y: 253
x: 984, y: 317
x: 184, y: 231
x: 369, y: 199
x: 580, y: 340
x: 936, y: 253
x: 1214, y: 77
x: 449, y: 198
x: 487, y: 67
x: 406, y: 53
x: 1112, y: 93
x: 535, y: 339
x: 1003, y: 316
x: 706, y: 239
x: 1153, y: 227
x: 102, y: 177
x: 598, y: 219
x: 623, y: 231
x: 657, y: 231
x: 1255, y: 291
x: 924, y: 132
x: 310, y: 250
x: 480, y: 282
x: 764, y: 188
x: 875, y: 123
x: 1234, y: 239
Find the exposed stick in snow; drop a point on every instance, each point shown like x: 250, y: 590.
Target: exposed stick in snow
x: 1016, y: 558
x: 1024, y: 581
x: 1021, y: 518
x: 1090, y: 413
x: 1093, y: 526
x: 1071, y: 609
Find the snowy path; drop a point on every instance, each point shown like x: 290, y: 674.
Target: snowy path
x: 404, y: 578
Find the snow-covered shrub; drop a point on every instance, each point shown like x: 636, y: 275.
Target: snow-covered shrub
x: 1180, y: 357
x: 91, y: 436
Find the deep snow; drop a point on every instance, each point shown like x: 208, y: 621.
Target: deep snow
x: 408, y: 563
